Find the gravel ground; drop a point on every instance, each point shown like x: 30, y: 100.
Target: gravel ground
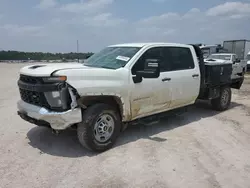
x: 199, y: 149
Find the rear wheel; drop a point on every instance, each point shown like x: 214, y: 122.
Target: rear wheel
x: 100, y: 127
x: 223, y: 101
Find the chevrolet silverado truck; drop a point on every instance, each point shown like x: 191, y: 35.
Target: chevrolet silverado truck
x: 121, y: 84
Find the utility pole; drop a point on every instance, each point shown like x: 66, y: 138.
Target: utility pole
x: 77, y: 49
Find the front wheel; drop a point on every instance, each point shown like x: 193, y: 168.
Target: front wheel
x: 100, y: 127
x: 224, y: 100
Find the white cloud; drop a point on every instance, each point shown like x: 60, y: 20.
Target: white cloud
x: 237, y: 9
x: 159, y: 1
x: 86, y: 6
x: 100, y: 20
x: 161, y: 18
x: 45, y: 4
x: 95, y: 25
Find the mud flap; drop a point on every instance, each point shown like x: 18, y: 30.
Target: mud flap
x: 237, y: 83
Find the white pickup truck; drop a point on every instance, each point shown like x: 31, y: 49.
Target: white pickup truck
x: 239, y: 67
x: 118, y: 85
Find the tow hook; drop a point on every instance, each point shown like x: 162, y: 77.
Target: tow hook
x: 56, y: 132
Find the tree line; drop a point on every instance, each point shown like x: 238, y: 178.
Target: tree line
x: 17, y: 55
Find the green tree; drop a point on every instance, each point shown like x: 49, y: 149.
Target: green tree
x: 38, y: 56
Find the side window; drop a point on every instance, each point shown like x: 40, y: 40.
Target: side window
x: 152, y: 53
x: 233, y: 58
x: 178, y: 58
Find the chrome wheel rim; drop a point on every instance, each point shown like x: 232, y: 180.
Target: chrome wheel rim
x: 104, y: 128
x: 224, y: 98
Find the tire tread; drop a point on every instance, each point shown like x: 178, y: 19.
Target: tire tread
x: 216, y: 103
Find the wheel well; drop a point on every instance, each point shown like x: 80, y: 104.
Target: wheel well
x: 113, y: 101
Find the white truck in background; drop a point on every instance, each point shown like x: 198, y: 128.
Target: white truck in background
x: 248, y: 61
x: 239, y: 47
x: 211, y: 49
x: 239, y: 67
x: 121, y: 84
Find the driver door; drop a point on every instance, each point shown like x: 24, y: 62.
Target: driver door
x: 151, y: 95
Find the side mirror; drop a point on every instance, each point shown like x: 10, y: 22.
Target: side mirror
x: 151, y: 69
x: 237, y: 60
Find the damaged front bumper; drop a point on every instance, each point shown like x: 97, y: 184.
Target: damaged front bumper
x: 48, y: 103
x: 44, y: 117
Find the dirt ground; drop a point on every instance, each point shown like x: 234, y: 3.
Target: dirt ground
x: 199, y: 149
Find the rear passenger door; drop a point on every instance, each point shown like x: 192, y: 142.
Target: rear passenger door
x: 183, y: 75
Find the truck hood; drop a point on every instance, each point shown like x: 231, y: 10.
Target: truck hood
x: 47, y: 68
x: 216, y: 61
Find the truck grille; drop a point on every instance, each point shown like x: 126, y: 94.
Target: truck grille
x: 33, y: 97
x: 31, y: 80
x: 33, y: 89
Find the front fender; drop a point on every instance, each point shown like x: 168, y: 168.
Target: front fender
x: 101, y: 82
x: 116, y: 100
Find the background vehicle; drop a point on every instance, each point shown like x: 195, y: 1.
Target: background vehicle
x: 239, y: 67
x: 211, y: 49
x: 121, y: 84
x: 239, y: 47
x: 248, y: 61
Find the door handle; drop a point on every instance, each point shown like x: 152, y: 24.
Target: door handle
x: 166, y: 79
x: 195, y: 75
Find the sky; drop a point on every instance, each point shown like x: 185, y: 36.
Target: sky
x: 56, y: 25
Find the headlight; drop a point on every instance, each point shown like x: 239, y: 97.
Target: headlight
x: 55, y: 79
x: 58, y: 99
x: 54, y: 98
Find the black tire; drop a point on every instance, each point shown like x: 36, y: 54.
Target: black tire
x: 85, y: 130
x: 222, y: 103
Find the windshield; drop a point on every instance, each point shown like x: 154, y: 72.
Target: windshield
x: 220, y: 56
x: 112, y: 57
x: 248, y: 57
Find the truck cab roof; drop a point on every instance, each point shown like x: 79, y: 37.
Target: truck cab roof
x: 148, y: 44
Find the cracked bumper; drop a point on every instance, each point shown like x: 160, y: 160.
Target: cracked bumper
x: 56, y: 120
